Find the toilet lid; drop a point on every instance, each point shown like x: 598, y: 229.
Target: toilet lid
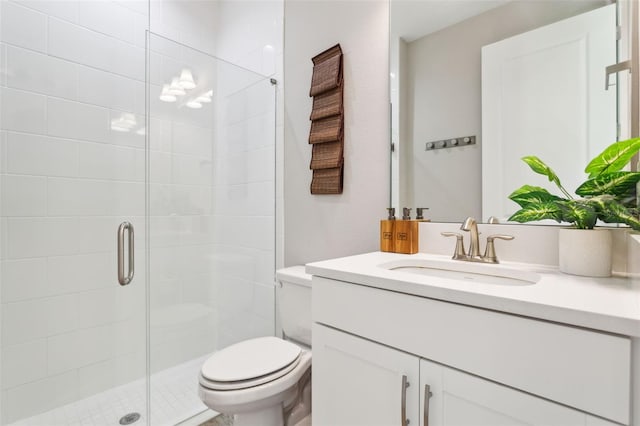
x: 251, y: 383
x: 250, y: 359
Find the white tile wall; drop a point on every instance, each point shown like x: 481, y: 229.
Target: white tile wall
x: 72, y: 72
x: 84, y: 46
x: 24, y: 195
x: 64, y: 9
x: 77, y: 273
x: 24, y: 363
x: 53, y: 391
x: 23, y: 27
x: 24, y: 279
x: 23, y: 111
x: 41, y: 155
x: 102, y: 161
x: 88, y: 197
x: 79, y: 348
x: 38, y: 72
x: 74, y: 120
x: 68, y: 180
x: 109, y: 18
x: 106, y: 89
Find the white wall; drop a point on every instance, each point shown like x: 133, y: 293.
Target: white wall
x: 445, y: 101
x: 324, y: 226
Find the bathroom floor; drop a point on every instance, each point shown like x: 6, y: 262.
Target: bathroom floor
x: 219, y: 420
x: 174, y: 397
x: 224, y: 420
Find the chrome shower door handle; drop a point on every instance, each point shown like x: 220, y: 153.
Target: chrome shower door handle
x: 403, y: 403
x: 125, y: 226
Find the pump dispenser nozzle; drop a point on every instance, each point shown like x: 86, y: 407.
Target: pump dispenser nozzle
x: 419, y: 212
x: 392, y: 213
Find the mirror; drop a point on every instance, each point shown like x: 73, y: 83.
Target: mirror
x: 440, y: 95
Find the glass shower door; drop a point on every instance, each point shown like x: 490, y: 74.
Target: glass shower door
x: 211, y: 217
x: 72, y: 127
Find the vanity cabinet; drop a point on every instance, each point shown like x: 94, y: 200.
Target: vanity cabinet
x: 482, y: 367
x: 460, y: 399
x: 359, y: 382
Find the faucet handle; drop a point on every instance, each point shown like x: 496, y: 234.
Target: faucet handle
x: 459, y: 252
x: 490, y: 251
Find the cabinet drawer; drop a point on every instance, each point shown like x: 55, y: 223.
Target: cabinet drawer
x: 581, y: 368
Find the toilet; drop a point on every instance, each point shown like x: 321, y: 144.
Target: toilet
x: 266, y: 381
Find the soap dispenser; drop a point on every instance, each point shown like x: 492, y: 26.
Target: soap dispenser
x: 387, y: 231
x: 419, y: 216
x: 406, y: 238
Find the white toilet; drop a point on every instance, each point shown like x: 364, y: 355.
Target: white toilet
x: 267, y: 381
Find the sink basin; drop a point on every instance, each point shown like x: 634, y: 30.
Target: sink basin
x: 466, y: 271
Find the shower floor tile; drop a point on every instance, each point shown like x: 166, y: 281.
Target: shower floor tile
x: 174, y: 398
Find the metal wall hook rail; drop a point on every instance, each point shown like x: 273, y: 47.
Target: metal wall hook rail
x: 125, y: 226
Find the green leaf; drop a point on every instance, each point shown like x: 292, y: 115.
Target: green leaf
x: 619, y: 184
x: 528, y: 194
x: 538, y: 166
x: 579, y: 212
x: 611, y: 211
x: 537, y: 211
x: 613, y: 158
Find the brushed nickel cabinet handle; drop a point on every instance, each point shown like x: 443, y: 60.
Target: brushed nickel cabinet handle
x: 403, y: 409
x: 427, y: 396
x: 125, y: 226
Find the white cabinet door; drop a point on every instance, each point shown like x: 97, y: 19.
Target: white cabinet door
x: 358, y: 382
x: 460, y: 399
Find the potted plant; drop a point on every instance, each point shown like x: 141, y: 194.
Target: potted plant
x: 608, y: 195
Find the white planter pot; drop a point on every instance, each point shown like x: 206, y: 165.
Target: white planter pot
x: 585, y: 252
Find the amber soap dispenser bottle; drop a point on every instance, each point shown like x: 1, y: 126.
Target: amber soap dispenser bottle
x: 406, y: 231
x: 387, y: 231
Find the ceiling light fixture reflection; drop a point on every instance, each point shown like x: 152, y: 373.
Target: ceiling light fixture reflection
x: 124, y: 123
x: 186, y: 80
x: 175, y: 88
x: 165, y: 96
x: 116, y: 126
x: 205, y: 98
x: 129, y: 119
x: 194, y: 104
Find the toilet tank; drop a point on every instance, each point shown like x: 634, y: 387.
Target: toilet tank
x: 294, y: 303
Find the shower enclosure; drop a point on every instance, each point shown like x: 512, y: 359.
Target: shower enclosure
x: 104, y: 124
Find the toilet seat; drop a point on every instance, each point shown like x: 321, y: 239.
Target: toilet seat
x: 243, y: 384
x: 257, y: 397
x: 249, y: 363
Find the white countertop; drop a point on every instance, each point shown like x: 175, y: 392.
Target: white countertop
x: 606, y: 304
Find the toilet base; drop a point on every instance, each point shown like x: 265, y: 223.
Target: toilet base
x: 270, y: 416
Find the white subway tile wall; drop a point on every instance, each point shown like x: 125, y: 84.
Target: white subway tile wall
x: 71, y: 73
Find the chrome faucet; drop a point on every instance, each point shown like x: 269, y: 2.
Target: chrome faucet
x: 473, y: 255
x: 471, y: 226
